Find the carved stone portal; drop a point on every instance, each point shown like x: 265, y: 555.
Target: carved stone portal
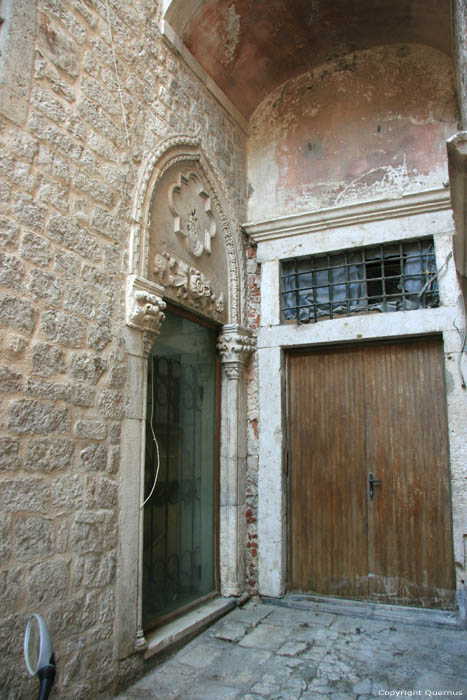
x: 190, y: 205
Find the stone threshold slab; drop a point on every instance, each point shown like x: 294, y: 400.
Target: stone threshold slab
x: 188, y: 625
x: 420, y: 617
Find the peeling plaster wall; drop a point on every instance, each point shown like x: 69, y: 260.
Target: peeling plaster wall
x: 371, y: 124
x: 249, y: 47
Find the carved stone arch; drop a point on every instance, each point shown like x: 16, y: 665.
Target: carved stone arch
x: 181, y: 162
x: 171, y: 152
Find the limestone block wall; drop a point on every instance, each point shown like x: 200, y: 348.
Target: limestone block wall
x: 69, y: 163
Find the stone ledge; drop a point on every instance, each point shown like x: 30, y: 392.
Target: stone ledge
x: 419, y: 617
x: 354, y: 214
x: 188, y: 625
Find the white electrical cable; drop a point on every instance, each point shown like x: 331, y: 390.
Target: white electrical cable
x: 434, y: 275
x: 119, y: 87
x: 151, y: 424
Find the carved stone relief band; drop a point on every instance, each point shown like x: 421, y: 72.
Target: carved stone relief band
x: 144, y: 308
x: 235, y: 345
x: 191, y: 285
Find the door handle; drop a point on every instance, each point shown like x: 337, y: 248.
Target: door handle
x: 372, y: 481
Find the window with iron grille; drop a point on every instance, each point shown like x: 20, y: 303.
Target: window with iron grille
x: 388, y: 277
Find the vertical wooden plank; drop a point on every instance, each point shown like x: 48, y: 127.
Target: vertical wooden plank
x: 327, y: 503
x: 410, y: 550
x: 352, y: 411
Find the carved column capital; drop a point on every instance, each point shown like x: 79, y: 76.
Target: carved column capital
x: 235, y: 345
x: 144, y: 308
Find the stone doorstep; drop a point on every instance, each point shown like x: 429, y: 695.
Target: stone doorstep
x: 187, y: 625
x: 420, y: 617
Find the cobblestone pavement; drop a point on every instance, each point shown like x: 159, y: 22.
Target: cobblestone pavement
x: 307, y: 652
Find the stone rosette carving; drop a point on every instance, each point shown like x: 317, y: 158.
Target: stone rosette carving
x: 144, y: 305
x: 235, y: 346
x: 190, y: 206
x: 192, y: 286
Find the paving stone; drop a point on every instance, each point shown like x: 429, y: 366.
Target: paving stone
x: 266, y: 637
x: 440, y: 681
x: 317, y: 635
x: 167, y: 681
x: 267, y: 686
x: 210, y: 690
x: 231, y: 631
x: 354, y: 658
x: 252, y: 613
x: 137, y: 694
x: 200, y: 655
x: 292, y: 648
x: 363, y: 687
x: 238, y: 666
x: 298, y: 618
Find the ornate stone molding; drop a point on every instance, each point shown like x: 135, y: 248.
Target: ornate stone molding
x: 144, y: 307
x: 235, y: 345
x: 348, y: 215
x: 176, y: 150
x: 193, y: 218
x: 192, y: 286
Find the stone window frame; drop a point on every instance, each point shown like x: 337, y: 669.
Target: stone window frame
x: 17, y: 37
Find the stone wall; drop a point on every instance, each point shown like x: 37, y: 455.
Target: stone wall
x: 67, y: 178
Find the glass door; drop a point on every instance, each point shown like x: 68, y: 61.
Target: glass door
x: 179, y: 517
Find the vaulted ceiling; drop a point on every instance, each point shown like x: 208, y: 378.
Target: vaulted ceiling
x: 249, y: 47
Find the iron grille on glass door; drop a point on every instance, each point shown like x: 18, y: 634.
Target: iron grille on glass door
x: 388, y: 277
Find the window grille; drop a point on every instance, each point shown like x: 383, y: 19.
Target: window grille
x: 388, y: 277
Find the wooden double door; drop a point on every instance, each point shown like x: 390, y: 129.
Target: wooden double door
x: 369, y: 490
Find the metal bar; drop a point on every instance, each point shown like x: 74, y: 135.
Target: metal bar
x: 297, y: 299
x: 384, y: 270
x: 193, y: 473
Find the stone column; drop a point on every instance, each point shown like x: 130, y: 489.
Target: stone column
x: 235, y: 346
x: 144, y: 315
